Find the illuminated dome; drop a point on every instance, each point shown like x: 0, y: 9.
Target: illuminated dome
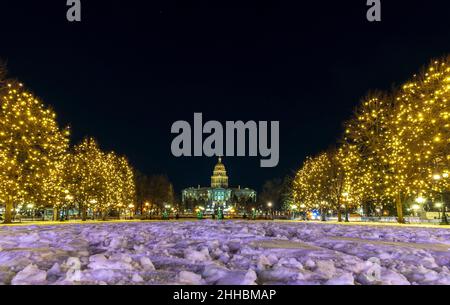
x: 219, y: 195
x: 219, y: 177
x: 219, y: 167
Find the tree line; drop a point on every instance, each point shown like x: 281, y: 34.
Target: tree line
x: 39, y: 168
x: 393, y: 154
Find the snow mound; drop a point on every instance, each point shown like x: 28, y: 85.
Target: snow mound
x: 224, y: 253
x: 31, y: 275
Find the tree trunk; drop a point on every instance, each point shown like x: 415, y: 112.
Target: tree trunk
x: 366, y: 209
x: 83, y: 214
x: 55, y: 214
x: 339, y: 214
x: 346, y: 214
x: 8, y: 211
x: 398, y: 203
x: 322, y: 216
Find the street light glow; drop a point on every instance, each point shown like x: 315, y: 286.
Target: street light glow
x: 420, y: 200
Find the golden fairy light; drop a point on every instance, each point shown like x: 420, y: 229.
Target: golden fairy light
x: 38, y: 168
x: 395, y: 147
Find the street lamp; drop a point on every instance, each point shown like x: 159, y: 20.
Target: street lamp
x: 131, y: 206
x: 269, y: 204
x: 345, y: 199
x: 437, y: 177
x: 30, y: 206
x: 420, y: 200
x: 415, y: 208
x: 294, y: 207
x: 378, y: 210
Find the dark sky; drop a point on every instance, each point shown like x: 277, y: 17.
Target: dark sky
x: 130, y: 69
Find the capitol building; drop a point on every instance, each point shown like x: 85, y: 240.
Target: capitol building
x: 219, y: 194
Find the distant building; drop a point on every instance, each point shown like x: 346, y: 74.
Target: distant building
x: 219, y: 194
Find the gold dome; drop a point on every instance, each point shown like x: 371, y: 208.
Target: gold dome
x: 219, y: 177
x: 219, y: 166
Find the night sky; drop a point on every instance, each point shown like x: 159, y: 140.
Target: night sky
x: 128, y: 70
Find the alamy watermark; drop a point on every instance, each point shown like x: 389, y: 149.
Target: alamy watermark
x: 235, y: 133
x: 374, y: 12
x: 74, y: 11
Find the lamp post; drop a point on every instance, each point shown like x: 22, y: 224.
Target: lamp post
x: 378, y: 210
x: 146, y: 209
x: 437, y: 177
x: 69, y: 199
x: 30, y: 207
x: 293, y: 208
x: 269, y: 205
x: 303, y: 211
x: 131, y: 207
x: 93, y: 206
x: 415, y: 208
x: 345, y: 199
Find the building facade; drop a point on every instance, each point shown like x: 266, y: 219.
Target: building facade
x: 219, y: 194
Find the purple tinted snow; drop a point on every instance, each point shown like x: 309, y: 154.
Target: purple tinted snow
x: 223, y: 252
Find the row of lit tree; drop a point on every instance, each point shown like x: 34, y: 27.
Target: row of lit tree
x: 395, y: 149
x: 38, y: 167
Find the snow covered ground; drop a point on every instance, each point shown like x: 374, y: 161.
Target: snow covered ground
x: 223, y: 252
